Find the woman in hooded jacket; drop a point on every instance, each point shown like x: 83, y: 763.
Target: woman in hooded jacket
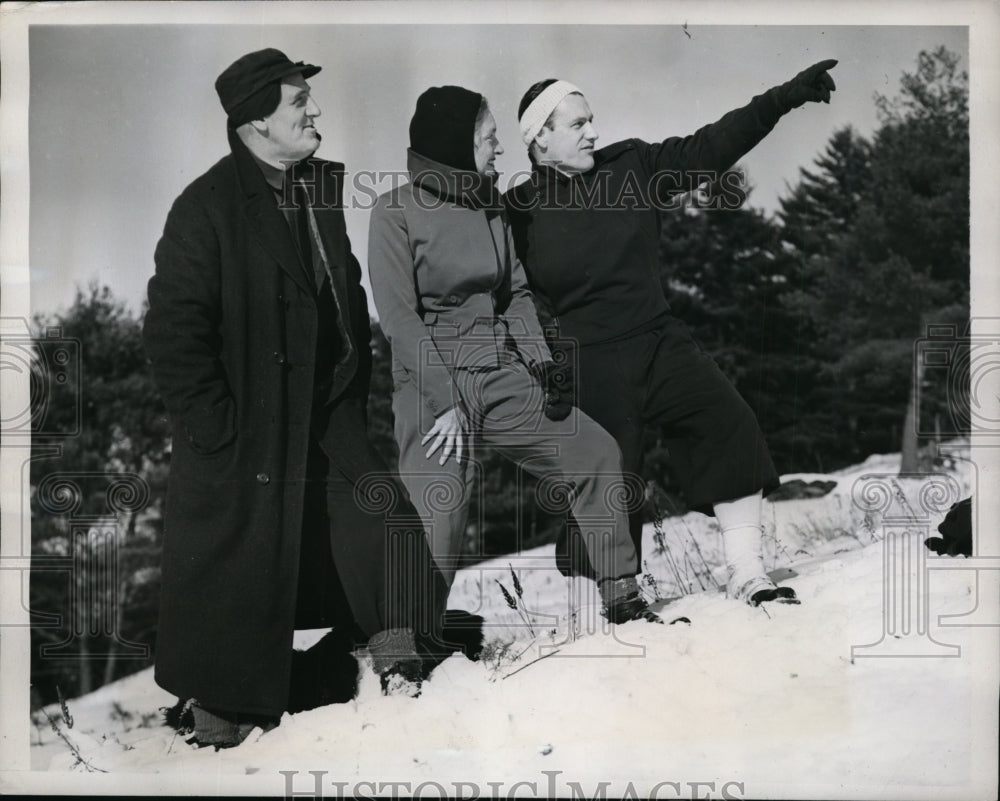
x: 469, y: 361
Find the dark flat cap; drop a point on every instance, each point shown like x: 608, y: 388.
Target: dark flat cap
x: 246, y: 76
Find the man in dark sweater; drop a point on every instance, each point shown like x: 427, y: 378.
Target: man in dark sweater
x: 586, y: 228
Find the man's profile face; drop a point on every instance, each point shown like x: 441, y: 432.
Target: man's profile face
x: 290, y: 126
x: 569, y: 144
x: 486, y: 145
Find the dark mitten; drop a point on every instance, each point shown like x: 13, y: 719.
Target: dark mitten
x: 956, y: 531
x: 557, y: 384
x: 811, y: 85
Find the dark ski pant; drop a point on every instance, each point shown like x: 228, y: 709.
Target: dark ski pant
x: 365, y: 567
x: 505, y: 409
x: 663, y: 377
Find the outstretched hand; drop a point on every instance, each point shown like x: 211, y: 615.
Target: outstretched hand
x: 448, y: 429
x: 813, y: 84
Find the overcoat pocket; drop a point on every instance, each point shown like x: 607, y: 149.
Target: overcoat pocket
x: 210, y: 431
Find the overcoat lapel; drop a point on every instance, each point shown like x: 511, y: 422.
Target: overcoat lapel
x: 267, y: 225
x: 332, y: 235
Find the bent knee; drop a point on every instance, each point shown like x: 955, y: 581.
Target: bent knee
x: 600, y: 447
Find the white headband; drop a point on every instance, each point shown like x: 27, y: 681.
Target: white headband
x: 541, y: 107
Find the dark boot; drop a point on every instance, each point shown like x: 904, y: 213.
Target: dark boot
x: 325, y: 674
x: 225, y: 729
x: 179, y: 717
x: 623, y: 601
x: 400, y: 668
x: 463, y: 631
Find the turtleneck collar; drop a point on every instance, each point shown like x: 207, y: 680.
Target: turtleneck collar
x: 275, y: 178
x: 544, y: 172
x: 464, y: 187
x: 250, y: 177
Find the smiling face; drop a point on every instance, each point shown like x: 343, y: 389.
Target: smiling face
x: 568, y: 145
x: 486, y: 146
x: 290, y: 129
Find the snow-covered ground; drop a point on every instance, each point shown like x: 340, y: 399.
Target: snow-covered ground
x: 862, y: 691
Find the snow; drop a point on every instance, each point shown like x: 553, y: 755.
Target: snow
x: 782, y: 702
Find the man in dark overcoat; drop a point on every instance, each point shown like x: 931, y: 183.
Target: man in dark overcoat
x: 258, y: 334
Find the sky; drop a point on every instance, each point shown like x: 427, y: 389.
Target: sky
x: 122, y: 117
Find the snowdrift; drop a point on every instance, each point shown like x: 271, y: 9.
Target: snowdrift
x: 881, y: 684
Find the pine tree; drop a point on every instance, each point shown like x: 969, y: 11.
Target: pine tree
x: 727, y: 277
x: 880, y: 230
x: 100, y: 449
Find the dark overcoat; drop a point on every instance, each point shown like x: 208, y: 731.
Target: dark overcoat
x: 231, y: 332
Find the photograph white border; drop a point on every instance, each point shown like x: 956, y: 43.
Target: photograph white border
x: 982, y: 18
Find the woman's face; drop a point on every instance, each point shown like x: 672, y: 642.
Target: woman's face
x: 486, y: 145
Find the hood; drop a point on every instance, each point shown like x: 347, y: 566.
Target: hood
x: 464, y: 187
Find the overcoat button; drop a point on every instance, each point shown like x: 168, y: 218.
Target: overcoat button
x: 263, y: 478
x: 279, y: 358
